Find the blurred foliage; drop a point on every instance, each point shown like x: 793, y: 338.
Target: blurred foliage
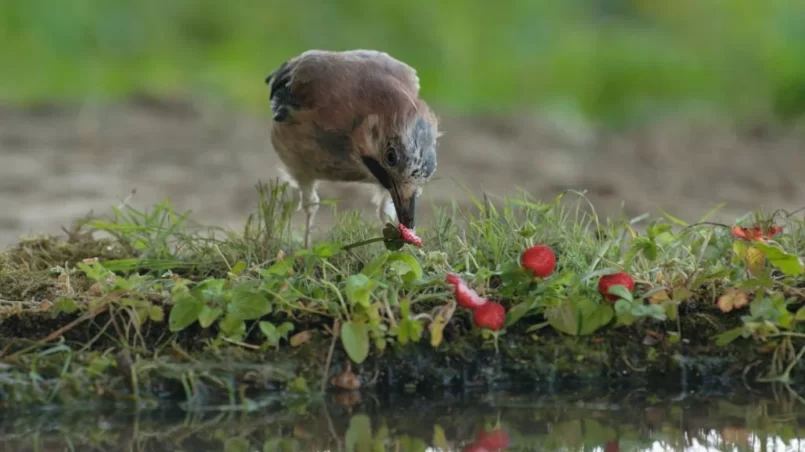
x: 607, y: 58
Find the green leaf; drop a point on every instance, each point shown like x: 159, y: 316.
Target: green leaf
x: 355, y: 338
x: 248, y: 302
x: 282, y: 267
x: 727, y: 337
x: 299, y: 385
x: 359, y: 289
x: 673, y: 219
x: 66, y: 305
x: 673, y: 337
x: 517, y: 312
x: 208, y: 316
x: 406, y: 266
x: 184, y: 312
x: 270, y: 332
x: 375, y: 266
x: 579, y: 317
x: 800, y: 314
x: 238, y: 268
x: 156, y: 314
x: 210, y: 289
x: 739, y: 248
x: 274, y: 333
x: 789, y: 264
x: 232, y: 327
x: 621, y: 291
x: 325, y: 250
x: 409, y: 330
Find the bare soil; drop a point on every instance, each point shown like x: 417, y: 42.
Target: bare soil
x: 61, y: 163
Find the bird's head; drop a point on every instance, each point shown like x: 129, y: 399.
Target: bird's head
x: 400, y: 152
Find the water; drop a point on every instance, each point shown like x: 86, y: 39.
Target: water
x: 615, y: 421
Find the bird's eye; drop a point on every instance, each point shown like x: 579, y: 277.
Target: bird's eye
x: 391, y: 156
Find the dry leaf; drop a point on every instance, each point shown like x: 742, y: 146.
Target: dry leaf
x: 659, y: 297
x: 300, y: 338
x: 755, y: 260
x: 732, y: 299
x: 347, y: 399
x: 96, y: 289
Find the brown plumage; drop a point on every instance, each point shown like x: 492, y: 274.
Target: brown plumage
x: 353, y: 116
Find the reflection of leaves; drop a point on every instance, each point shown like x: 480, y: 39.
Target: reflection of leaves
x: 359, y: 434
x: 565, y: 435
x: 579, y: 433
x: 236, y: 445
x: 439, y: 437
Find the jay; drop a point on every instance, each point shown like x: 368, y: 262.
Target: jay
x: 353, y: 116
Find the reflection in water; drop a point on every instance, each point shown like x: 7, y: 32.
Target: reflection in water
x: 638, y: 421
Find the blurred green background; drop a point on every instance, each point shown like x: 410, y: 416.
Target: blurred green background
x: 605, y: 58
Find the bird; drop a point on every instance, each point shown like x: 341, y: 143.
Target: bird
x: 353, y: 116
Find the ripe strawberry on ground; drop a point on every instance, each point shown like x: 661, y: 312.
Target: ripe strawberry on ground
x: 409, y: 235
x: 496, y: 439
x: 539, y: 259
x: 616, y: 279
x: 490, y: 315
x: 465, y: 297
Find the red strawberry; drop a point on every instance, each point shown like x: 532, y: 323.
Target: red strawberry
x: 490, y: 315
x: 540, y: 259
x: 409, y: 235
x: 611, y: 446
x: 607, y: 281
x: 465, y: 297
x: 497, y: 439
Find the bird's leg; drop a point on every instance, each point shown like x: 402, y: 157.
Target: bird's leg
x: 310, y: 202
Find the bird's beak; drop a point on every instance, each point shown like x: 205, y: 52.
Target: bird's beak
x: 404, y: 199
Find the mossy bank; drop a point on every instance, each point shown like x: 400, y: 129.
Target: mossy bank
x: 143, y: 306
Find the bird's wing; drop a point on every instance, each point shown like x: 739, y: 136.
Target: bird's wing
x: 394, y: 67
x: 336, y: 83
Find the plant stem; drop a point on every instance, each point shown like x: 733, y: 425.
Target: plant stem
x: 362, y: 243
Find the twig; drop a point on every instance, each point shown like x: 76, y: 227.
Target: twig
x: 336, y: 331
x: 58, y: 333
x: 242, y: 344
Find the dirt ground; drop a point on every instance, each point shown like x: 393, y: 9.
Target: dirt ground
x: 60, y: 163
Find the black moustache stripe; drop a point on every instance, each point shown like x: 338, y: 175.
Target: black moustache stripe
x: 378, y: 172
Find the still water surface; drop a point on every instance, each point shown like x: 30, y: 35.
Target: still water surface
x: 623, y: 421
